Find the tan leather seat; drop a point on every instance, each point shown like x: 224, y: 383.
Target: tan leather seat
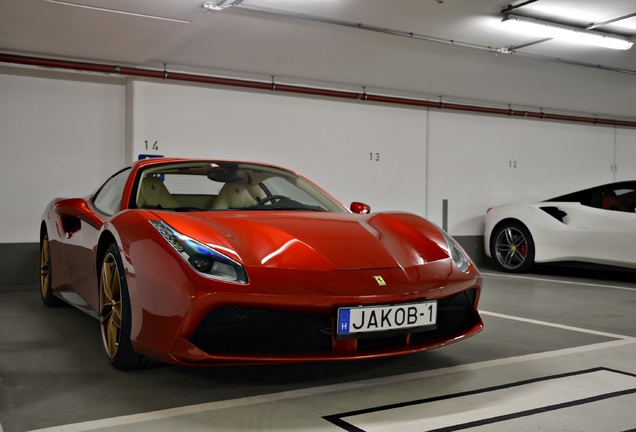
x: 154, y: 194
x: 236, y: 195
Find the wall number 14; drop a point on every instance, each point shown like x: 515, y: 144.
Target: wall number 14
x: 152, y: 146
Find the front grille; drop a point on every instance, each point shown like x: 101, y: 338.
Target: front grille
x: 243, y: 331
x: 237, y: 330
x: 454, y: 314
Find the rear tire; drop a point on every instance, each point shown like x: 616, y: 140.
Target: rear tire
x: 512, y: 247
x: 115, y: 314
x: 46, y: 293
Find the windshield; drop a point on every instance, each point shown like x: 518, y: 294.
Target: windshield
x: 198, y: 186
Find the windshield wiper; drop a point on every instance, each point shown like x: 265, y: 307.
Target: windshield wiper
x: 184, y: 209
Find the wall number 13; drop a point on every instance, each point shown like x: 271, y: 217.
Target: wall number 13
x: 374, y: 157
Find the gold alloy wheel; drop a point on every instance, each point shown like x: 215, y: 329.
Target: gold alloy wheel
x: 45, y: 267
x: 110, y: 305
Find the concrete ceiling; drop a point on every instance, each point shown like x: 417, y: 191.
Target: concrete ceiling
x: 457, y: 50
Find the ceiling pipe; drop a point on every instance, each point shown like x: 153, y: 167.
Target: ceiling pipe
x: 312, y: 91
x: 512, y: 7
x: 513, y: 51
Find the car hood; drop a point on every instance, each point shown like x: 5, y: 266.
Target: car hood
x: 315, y: 241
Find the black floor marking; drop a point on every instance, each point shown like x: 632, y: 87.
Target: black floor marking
x: 337, y: 419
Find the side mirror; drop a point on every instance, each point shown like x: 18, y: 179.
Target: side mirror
x: 360, y: 208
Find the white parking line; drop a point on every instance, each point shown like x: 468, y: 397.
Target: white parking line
x: 620, y: 340
x: 253, y: 400
x: 534, y: 278
x: 560, y: 326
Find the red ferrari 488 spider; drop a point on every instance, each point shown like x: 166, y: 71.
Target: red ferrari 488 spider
x: 201, y: 262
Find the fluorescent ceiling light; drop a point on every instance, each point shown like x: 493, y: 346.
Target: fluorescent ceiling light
x: 567, y: 33
x: 217, y: 5
x: 95, y: 8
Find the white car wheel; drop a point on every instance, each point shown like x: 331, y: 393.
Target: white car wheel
x: 512, y: 247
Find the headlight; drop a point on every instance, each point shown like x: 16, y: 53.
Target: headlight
x: 202, y: 258
x: 456, y: 252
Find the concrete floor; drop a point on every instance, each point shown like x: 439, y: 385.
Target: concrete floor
x: 557, y: 354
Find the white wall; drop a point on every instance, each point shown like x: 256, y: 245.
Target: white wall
x: 357, y: 151
x: 60, y: 135
x: 625, y: 154
x: 476, y: 162
x: 63, y: 134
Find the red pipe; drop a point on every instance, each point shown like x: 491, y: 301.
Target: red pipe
x: 204, y: 79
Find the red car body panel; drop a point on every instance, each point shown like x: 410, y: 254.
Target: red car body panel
x: 296, y: 262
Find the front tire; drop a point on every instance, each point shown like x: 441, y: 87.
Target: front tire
x: 115, y: 315
x: 512, y: 247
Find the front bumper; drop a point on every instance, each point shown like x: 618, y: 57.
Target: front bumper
x: 231, y: 334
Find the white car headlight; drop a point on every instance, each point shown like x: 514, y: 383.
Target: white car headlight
x: 204, y: 259
x: 456, y: 252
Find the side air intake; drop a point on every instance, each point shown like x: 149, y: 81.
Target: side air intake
x: 555, y: 212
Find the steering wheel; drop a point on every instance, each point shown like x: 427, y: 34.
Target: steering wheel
x: 271, y: 198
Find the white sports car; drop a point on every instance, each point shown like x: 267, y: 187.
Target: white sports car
x: 596, y: 225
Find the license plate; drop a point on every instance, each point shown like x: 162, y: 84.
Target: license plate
x: 366, y: 319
